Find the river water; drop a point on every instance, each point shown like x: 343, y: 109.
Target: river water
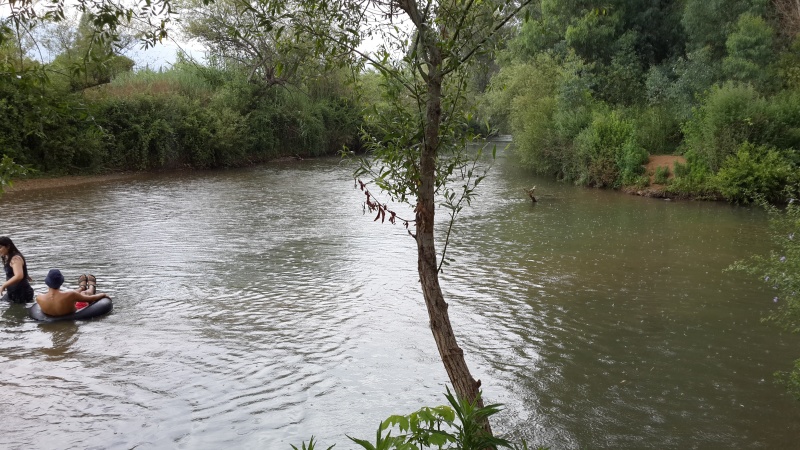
x: 257, y: 308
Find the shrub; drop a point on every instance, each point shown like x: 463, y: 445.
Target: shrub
x: 43, y: 128
x: 455, y: 426
x: 522, y: 99
x: 734, y: 114
x: 789, y: 65
x: 693, y: 178
x: 207, y: 118
x: 609, y: 149
x: 642, y: 181
x: 631, y: 162
x: 657, y: 129
x: 500, y: 105
x: 782, y: 123
x: 727, y: 118
x: 661, y: 175
x: 8, y: 170
x: 755, y: 172
x: 680, y: 169
x: 545, y: 104
x: 536, y: 142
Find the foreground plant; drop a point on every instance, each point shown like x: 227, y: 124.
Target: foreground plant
x: 458, y: 425
x: 310, y: 446
x: 8, y: 170
x: 780, y: 270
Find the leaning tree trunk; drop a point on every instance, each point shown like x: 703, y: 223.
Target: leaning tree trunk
x: 452, y: 356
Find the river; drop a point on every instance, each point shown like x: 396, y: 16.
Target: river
x: 257, y: 308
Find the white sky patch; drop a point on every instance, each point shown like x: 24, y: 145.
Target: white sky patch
x: 161, y: 56
x: 165, y: 54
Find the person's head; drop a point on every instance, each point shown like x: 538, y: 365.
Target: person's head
x: 54, y: 279
x: 7, y: 248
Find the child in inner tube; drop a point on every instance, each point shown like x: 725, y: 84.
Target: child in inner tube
x: 61, y: 303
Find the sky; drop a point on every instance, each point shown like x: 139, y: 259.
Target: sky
x: 160, y: 56
x: 163, y: 55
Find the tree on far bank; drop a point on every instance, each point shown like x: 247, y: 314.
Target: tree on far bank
x: 236, y: 36
x: 84, y: 56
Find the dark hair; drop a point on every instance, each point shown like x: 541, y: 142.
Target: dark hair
x: 5, y: 241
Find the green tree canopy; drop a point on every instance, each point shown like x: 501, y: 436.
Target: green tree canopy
x: 88, y: 58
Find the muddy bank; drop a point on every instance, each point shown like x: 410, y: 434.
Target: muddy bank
x: 30, y: 184
x: 655, y: 190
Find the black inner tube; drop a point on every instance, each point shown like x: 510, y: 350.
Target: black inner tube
x: 96, y: 309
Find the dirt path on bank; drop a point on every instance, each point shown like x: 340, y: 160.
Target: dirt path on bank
x: 668, y: 161
x: 656, y: 161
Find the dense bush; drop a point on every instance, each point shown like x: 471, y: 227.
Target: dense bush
x: 608, y: 145
x: 457, y: 426
x: 515, y: 88
x: 45, y: 129
x: 661, y: 175
x: 734, y: 114
x: 756, y: 172
x: 788, y: 65
x: 693, y: 179
x: 696, y: 77
x: 782, y: 127
x: 189, y: 116
x: 731, y: 114
x: 197, y: 117
x: 657, y: 129
x: 545, y: 104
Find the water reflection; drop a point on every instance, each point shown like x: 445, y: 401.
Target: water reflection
x: 63, y: 336
x: 256, y: 308
x: 13, y: 315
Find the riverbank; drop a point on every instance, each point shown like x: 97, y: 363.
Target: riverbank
x: 31, y: 184
x: 654, y: 189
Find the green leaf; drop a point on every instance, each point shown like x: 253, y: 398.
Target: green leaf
x: 366, y: 444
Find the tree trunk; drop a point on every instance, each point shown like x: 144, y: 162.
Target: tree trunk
x: 452, y: 356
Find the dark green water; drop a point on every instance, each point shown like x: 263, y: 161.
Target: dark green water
x: 256, y: 308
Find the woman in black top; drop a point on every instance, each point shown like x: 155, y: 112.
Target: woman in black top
x: 17, y: 279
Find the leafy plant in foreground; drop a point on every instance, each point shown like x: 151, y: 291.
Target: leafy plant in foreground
x: 458, y: 425
x: 780, y: 270
x: 310, y: 446
x: 8, y: 170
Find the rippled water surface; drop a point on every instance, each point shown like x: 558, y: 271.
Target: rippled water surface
x: 256, y: 308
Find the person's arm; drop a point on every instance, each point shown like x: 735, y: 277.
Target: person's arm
x: 16, y: 264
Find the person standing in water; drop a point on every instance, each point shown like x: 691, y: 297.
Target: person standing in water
x: 17, y: 279
x: 56, y: 302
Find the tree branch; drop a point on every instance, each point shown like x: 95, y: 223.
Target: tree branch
x: 497, y: 28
